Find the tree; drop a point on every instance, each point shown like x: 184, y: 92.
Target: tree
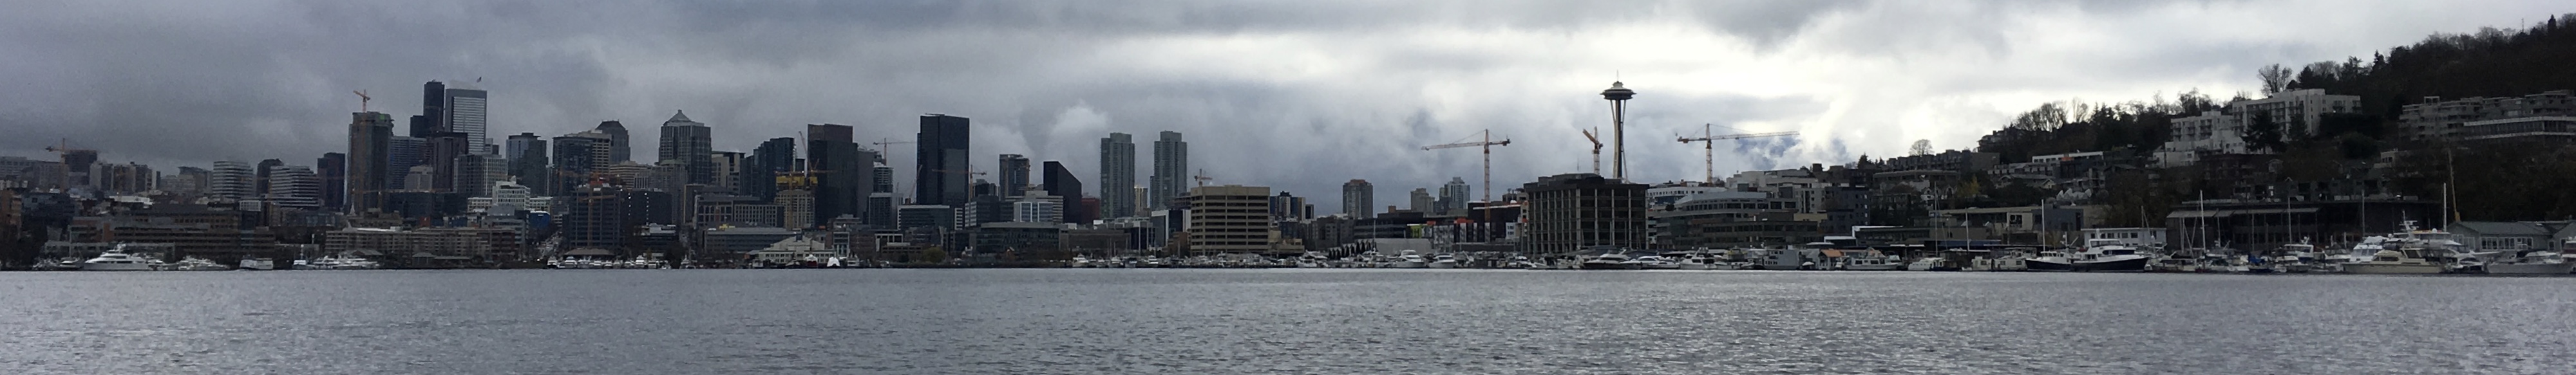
x: 934, y: 255
x: 2261, y: 133
x: 2275, y: 78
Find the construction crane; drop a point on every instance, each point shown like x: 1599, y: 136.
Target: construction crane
x: 1203, y: 178
x: 1594, y: 135
x: 362, y: 100
x: 1710, y: 145
x: 1487, y: 143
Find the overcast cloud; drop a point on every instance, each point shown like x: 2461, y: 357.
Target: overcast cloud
x: 1297, y: 95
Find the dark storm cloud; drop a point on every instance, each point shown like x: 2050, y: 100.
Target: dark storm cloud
x: 1296, y: 95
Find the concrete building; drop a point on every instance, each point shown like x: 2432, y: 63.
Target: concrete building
x: 1117, y: 175
x: 2435, y: 118
x: 795, y: 208
x: 1571, y: 212
x: 1037, y: 207
x: 2223, y: 131
x: 451, y: 243
x: 231, y: 180
x: 1358, y: 199
x: 1171, y: 170
x: 1020, y: 237
x: 1231, y: 219
x: 730, y: 242
x: 912, y: 216
x: 294, y: 186
x: 1423, y: 202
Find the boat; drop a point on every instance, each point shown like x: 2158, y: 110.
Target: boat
x: 2532, y: 263
x: 2050, y: 261
x: 2099, y: 255
x: 1444, y: 261
x: 257, y: 264
x: 2388, y: 256
x: 1928, y: 264
x: 196, y: 264
x: 1871, y: 261
x: 1609, y: 260
x: 1409, y: 259
x: 1650, y: 262
x: 116, y: 260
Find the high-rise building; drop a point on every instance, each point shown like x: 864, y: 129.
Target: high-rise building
x: 1571, y: 212
x: 294, y: 186
x: 334, y: 171
x: 231, y: 180
x: 1230, y: 219
x: 402, y: 153
x: 370, y: 159
x: 1422, y: 201
x: 1454, y: 197
x: 1171, y: 169
x: 1061, y: 183
x: 576, y: 157
x: 687, y: 144
x: 453, y: 110
x: 842, y: 176
x: 1117, y: 174
x: 759, y: 175
x: 885, y: 180
x: 796, y: 208
x: 941, y: 150
x: 620, y: 150
x: 1287, y: 207
x: 475, y: 174
x: 1015, y: 174
x: 529, y: 161
x: 1358, y: 199
x: 728, y: 167
x: 259, y: 181
x: 441, y: 157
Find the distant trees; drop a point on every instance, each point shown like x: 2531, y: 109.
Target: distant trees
x: 2275, y: 78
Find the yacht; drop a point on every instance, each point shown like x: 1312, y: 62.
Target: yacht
x: 2099, y: 255
x: 257, y: 264
x: 1608, y: 260
x: 1872, y: 261
x: 1444, y: 261
x: 1650, y: 262
x: 2388, y: 256
x: 1409, y: 259
x: 197, y: 264
x: 116, y: 260
x: 1697, y: 261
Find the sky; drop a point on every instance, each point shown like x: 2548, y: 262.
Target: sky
x: 1296, y: 95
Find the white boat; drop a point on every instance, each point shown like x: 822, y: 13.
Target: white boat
x: 257, y: 264
x: 116, y: 260
x: 1697, y: 262
x: 1444, y: 261
x: 1925, y: 264
x: 1608, y: 260
x: 1650, y: 262
x: 1409, y: 259
x: 2099, y: 255
x: 2532, y: 263
x: 196, y: 264
x: 1871, y: 261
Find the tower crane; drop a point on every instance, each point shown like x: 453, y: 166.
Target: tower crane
x: 1594, y: 135
x: 362, y: 99
x: 1487, y: 143
x: 1202, y: 177
x: 1709, y: 144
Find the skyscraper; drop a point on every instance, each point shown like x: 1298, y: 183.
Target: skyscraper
x: 1171, y: 169
x: 1454, y: 196
x: 1117, y: 175
x: 1422, y: 202
x: 443, y: 148
x: 475, y: 174
x: 529, y: 161
x: 760, y: 171
x: 1015, y: 174
x: 458, y: 110
x: 294, y: 186
x: 1357, y: 198
x: 1060, y: 182
x: 941, y: 150
x: 259, y: 183
x: 334, y: 175
x: 619, y: 149
x: 576, y: 156
x: 402, y: 153
x: 370, y: 147
x: 686, y: 144
x: 842, y: 177
x: 885, y: 179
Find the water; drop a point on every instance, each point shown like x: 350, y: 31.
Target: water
x: 1277, y: 322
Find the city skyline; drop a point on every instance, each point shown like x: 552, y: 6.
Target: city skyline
x: 1270, y: 97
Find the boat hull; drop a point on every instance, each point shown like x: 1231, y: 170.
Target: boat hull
x: 2531, y: 269
x: 2138, y: 264
x: 2047, y: 265
x: 1444, y: 265
x: 2391, y: 269
x: 115, y: 267
x: 1604, y: 266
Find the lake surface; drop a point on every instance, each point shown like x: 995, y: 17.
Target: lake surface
x: 1128, y: 321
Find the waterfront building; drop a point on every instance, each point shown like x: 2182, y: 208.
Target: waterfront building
x: 1230, y: 219
x: 688, y: 145
x: 1171, y: 170
x: 940, y: 176
x: 1575, y: 211
x: 1018, y: 237
x: 915, y: 216
x: 1358, y: 196
x: 1117, y: 175
x: 1037, y: 207
x: 731, y: 242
